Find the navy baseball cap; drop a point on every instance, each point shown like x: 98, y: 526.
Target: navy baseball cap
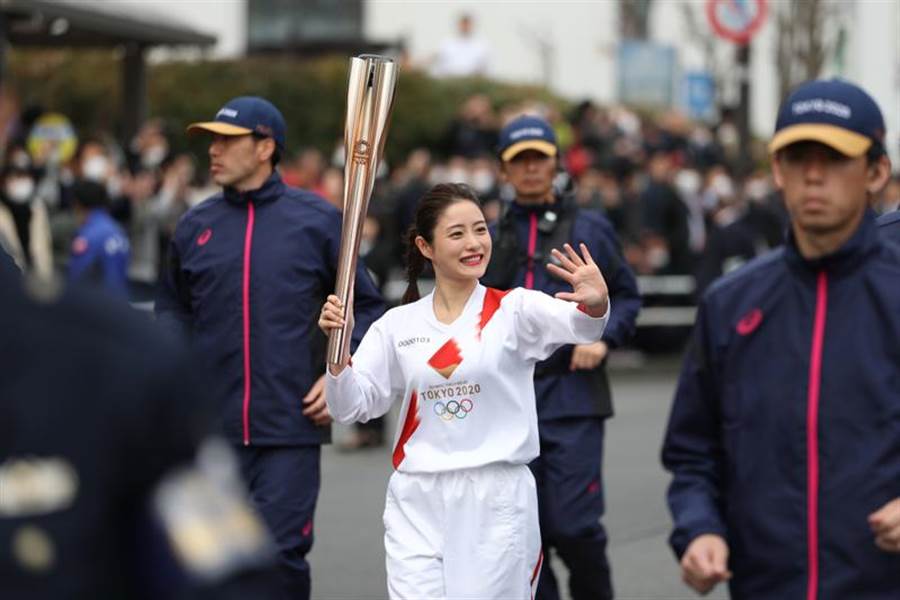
x: 833, y: 112
x: 526, y: 133
x: 243, y: 115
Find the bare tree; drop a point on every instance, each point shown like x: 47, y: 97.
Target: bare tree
x: 634, y: 19
x: 716, y: 59
x: 543, y: 44
x: 804, y: 40
x: 720, y: 56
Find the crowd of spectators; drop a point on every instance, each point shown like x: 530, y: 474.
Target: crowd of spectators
x: 668, y: 185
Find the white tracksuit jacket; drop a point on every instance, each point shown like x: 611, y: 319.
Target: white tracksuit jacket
x: 467, y: 389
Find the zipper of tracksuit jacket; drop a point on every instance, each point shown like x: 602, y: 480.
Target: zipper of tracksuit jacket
x: 812, y: 437
x: 532, y: 246
x: 248, y: 244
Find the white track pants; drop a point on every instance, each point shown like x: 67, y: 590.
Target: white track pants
x: 470, y: 534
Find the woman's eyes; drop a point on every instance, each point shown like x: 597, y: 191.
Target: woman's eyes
x: 478, y: 231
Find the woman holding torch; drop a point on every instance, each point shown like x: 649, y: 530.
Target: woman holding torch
x: 461, y: 513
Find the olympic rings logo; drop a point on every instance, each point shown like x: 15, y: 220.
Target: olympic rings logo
x: 459, y: 410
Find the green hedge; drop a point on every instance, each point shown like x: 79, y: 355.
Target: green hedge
x: 312, y: 94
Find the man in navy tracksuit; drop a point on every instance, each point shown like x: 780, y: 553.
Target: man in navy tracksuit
x: 248, y: 270
x: 784, y: 436
x: 889, y: 225
x: 573, y: 395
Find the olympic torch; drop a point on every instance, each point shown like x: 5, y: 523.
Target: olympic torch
x: 370, y: 98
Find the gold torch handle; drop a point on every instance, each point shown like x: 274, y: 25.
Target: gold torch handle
x: 370, y: 98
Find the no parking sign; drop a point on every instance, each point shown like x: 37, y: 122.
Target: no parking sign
x: 736, y: 20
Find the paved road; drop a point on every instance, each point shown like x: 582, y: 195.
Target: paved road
x: 348, y: 558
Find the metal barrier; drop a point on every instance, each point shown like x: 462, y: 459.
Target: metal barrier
x: 659, y: 286
x: 665, y: 288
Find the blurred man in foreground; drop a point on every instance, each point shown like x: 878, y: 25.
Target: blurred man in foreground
x: 110, y: 486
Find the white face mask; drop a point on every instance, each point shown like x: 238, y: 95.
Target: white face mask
x: 722, y: 186
x: 20, y: 160
x: 757, y: 189
x: 153, y: 156
x: 114, y: 187
x: 657, y: 257
x: 19, y: 189
x: 483, y: 181
x: 95, y: 168
x: 457, y: 175
x: 688, y: 182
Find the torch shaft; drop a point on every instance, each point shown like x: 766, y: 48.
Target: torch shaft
x: 370, y: 96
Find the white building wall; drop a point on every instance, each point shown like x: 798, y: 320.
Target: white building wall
x: 583, y: 36
x: 226, y: 19
x: 874, y: 61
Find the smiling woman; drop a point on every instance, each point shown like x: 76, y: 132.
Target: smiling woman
x: 451, y: 232
x: 462, y: 358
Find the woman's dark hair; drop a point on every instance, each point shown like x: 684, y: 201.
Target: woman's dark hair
x: 431, y: 207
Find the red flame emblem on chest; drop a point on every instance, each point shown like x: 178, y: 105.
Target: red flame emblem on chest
x: 204, y: 237
x: 446, y: 359
x: 749, y: 322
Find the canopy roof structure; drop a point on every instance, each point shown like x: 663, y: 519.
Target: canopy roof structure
x: 94, y: 24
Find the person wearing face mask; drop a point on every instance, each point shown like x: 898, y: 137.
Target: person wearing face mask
x: 153, y: 156
x: 100, y: 250
x: 573, y: 395
x: 483, y: 177
x: 665, y: 217
x: 740, y: 229
x: 96, y: 164
x: 24, y: 223
x: 150, y: 147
